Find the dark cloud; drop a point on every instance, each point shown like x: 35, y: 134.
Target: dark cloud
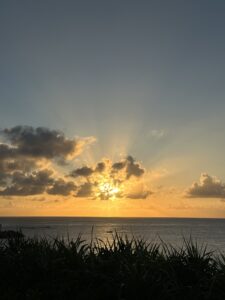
x: 129, y: 165
x: 3, y: 179
x: 22, y: 151
x: 25, y: 149
x: 87, y: 171
x: 119, y: 165
x: 84, y: 171
x: 7, y: 151
x: 36, y: 183
x: 8, y: 166
x: 133, y: 169
x: 17, y: 190
x: 118, y: 173
x: 23, y: 185
x: 42, y: 177
x: 61, y: 187
x: 37, y: 142
x: 85, y: 190
x: 130, y: 159
x: 207, y: 187
x: 100, y: 167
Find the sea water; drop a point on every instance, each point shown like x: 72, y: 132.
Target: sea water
x: 169, y: 230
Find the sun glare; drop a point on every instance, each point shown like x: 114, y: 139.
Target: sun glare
x: 108, y: 190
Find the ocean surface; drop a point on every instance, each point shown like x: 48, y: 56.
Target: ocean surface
x: 171, y: 230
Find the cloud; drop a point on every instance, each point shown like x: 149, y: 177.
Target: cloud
x: 7, y: 151
x: 85, y: 190
x: 133, y: 169
x: 61, y: 187
x: 207, y: 187
x: 35, y: 161
x: 157, y: 133
x: 36, y: 183
x: 25, y: 151
x: 88, y: 171
x: 3, y: 179
x: 100, y: 167
x: 38, y: 142
x: 84, y: 171
x: 125, y: 168
x: 8, y: 166
x: 109, y: 179
x: 24, y: 185
x: 119, y: 165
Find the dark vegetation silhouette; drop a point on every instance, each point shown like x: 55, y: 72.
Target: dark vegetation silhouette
x: 124, y: 268
x: 5, y: 234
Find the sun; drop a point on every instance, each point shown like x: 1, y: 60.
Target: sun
x: 108, y: 190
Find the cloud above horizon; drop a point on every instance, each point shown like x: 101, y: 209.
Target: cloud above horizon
x: 28, y: 157
x: 40, y: 142
x: 36, y: 161
x: 108, y: 174
x: 207, y: 187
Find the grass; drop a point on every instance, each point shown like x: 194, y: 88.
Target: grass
x: 123, y: 268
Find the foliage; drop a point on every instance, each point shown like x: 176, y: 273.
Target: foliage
x: 32, y: 268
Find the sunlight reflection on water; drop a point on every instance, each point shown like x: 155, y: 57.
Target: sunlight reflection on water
x: 209, y: 231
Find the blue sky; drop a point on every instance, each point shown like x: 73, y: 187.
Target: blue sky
x: 143, y: 77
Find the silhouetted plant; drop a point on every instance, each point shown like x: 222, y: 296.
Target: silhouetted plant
x: 120, y: 268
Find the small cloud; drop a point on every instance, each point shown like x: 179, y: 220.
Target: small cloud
x: 84, y: 171
x: 207, y: 187
x: 157, y: 133
x: 133, y: 169
x: 119, y: 165
x: 100, y: 167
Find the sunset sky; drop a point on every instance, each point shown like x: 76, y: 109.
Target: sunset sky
x: 112, y: 108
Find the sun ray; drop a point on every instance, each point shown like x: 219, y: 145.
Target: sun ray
x: 107, y: 188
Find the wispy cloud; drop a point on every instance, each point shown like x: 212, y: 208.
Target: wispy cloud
x: 157, y: 134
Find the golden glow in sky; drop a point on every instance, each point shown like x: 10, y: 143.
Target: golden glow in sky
x: 107, y: 190
x: 112, y: 109
x: 43, y: 172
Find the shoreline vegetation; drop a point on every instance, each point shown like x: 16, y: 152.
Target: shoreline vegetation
x: 6, y: 234
x: 122, y: 268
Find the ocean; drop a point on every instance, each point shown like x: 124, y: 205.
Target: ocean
x: 170, y: 230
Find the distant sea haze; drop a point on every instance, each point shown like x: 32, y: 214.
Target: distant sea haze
x: 170, y: 230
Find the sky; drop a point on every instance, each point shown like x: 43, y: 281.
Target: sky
x: 112, y: 108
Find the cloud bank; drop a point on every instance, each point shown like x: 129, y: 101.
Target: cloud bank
x: 30, y: 160
x: 24, y: 154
